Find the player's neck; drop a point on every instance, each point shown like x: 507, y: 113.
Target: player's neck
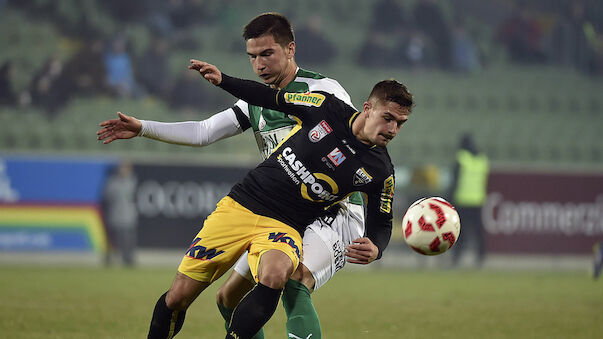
x: 289, y: 73
x: 358, y: 129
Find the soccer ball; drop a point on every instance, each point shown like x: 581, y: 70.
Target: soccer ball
x: 431, y: 226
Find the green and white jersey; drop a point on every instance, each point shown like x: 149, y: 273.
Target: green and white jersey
x: 270, y: 127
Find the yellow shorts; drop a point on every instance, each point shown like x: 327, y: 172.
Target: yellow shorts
x: 228, y: 232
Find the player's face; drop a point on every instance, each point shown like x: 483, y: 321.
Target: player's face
x: 270, y: 61
x: 383, y: 122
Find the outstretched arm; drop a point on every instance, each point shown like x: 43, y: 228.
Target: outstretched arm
x: 124, y: 127
x: 209, y: 72
x: 252, y: 92
x: 191, y: 133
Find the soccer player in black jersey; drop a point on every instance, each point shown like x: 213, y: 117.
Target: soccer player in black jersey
x: 271, y: 48
x: 333, y: 152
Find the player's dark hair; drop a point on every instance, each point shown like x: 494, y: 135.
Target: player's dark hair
x: 271, y: 23
x: 391, y: 90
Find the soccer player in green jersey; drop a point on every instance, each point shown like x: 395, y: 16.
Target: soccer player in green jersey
x: 271, y: 50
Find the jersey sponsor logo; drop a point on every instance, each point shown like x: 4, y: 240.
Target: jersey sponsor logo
x: 328, y: 163
x: 321, y: 187
x: 387, y: 195
x: 361, y: 177
x: 201, y: 252
x: 336, y: 156
x: 283, y: 238
x: 319, y: 131
x: 305, y: 99
x: 345, y: 142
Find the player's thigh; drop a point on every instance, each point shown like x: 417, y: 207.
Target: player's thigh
x: 225, y: 235
x: 323, y: 253
x: 271, y: 234
x: 324, y: 244
x: 242, y: 267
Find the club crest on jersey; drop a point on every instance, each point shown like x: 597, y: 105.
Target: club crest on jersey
x: 361, y: 177
x: 261, y: 123
x: 319, y: 131
x: 336, y: 156
x: 306, y: 99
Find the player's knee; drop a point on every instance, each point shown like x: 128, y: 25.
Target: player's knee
x: 303, y: 275
x: 233, y: 290
x: 177, y: 301
x: 274, y: 278
x: 224, y: 298
x: 274, y: 269
x: 221, y: 296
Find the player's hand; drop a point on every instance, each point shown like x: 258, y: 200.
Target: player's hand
x: 210, y: 72
x: 361, y: 251
x: 125, y: 127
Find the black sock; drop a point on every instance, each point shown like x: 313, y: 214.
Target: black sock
x: 166, y: 323
x: 253, y: 312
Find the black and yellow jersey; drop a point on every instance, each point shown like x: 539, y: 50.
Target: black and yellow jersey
x: 318, y: 164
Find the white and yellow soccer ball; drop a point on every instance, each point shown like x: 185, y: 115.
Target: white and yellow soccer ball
x: 431, y: 226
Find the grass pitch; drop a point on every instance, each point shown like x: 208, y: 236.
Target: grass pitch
x: 117, y: 303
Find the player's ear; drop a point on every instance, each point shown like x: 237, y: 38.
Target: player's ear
x: 367, y: 106
x: 290, y: 50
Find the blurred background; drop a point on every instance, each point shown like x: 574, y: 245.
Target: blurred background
x: 518, y: 84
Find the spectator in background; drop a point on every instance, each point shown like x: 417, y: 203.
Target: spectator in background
x: 465, y: 54
x: 185, y: 13
x: 48, y: 88
x: 424, y: 181
x: 85, y: 70
x: 521, y: 34
x: 388, y: 17
x: 128, y: 11
x: 389, y: 42
x: 570, y: 42
x: 188, y: 94
x: 597, y: 259
x: 7, y: 94
x: 429, y: 19
x: 121, y: 213
x: 152, y: 68
x: 416, y: 50
x: 118, y: 64
x: 377, y: 50
x: 314, y: 47
x: 469, y: 188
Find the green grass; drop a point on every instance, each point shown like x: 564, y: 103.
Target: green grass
x: 117, y: 303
